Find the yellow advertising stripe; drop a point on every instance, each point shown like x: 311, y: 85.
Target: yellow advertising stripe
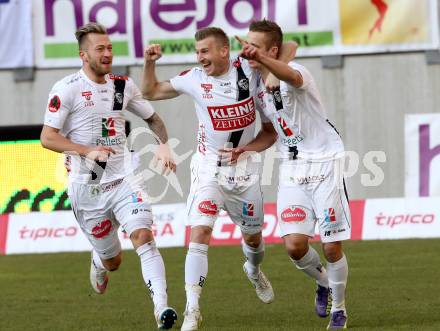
x: 384, y: 21
x: 26, y: 165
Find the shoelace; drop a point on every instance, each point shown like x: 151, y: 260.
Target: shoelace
x: 262, y: 280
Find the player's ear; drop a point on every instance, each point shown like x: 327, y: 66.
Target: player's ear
x: 224, y: 51
x: 274, y: 51
x: 82, y: 55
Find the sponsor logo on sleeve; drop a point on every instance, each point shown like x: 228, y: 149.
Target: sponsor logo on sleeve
x: 208, y: 207
x: 54, y: 104
x: 293, y: 214
x: 233, y: 117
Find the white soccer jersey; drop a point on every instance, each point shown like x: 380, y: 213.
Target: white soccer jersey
x: 224, y: 115
x: 90, y: 114
x: 302, y: 122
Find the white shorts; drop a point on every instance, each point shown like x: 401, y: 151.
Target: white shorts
x: 229, y: 188
x: 313, y: 192
x: 101, y: 209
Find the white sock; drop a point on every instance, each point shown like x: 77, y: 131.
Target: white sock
x: 97, y: 260
x: 153, y: 272
x: 311, y: 265
x: 196, y: 270
x: 337, y: 277
x: 254, y: 258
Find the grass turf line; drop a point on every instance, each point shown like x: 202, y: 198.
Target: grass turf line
x: 393, y: 285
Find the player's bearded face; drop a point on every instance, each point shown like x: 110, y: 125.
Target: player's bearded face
x: 213, y: 56
x: 99, y: 54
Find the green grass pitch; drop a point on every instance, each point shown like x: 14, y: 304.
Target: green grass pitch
x: 393, y: 285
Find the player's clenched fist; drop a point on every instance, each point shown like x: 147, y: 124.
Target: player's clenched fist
x: 153, y: 52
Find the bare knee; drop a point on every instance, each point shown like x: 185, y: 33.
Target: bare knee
x: 113, y: 263
x: 140, y: 237
x: 332, y: 251
x: 201, y: 234
x: 253, y: 240
x: 295, y: 246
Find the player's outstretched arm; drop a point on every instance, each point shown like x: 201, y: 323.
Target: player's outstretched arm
x: 151, y: 88
x: 163, y: 153
x: 265, y: 138
x: 51, y: 139
x: 286, y: 54
x: 282, y: 71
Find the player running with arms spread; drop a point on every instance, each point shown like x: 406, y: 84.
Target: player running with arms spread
x: 84, y: 120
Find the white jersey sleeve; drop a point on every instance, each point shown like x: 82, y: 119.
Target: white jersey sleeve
x: 136, y: 104
x: 306, y: 75
x: 59, y: 105
x: 183, y: 83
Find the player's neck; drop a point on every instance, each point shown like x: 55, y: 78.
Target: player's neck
x: 99, y: 79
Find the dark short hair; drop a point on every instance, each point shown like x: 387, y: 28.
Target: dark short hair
x: 272, y: 31
x: 84, y: 30
x: 217, y: 33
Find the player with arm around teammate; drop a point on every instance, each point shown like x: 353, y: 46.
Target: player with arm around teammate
x: 311, y: 187
x: 224, y: 91
x: 84, y: 120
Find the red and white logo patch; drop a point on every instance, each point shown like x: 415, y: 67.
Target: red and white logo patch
x: 208, y: 207
x: 233, y: 117
x: 293, y: 214
x: 102, y: 229
x: 116, y: 77
x: 54, y: 104
x: 207, y: 89
x: 87, y: 94
x: 285, y: 127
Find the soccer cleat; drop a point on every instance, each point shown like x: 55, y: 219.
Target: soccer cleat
x: 192, y: 321
x: 262, y: 286
x: 338, y: 320
x: 323, y: 301
x: 98, y: 278
x: 165, y: 318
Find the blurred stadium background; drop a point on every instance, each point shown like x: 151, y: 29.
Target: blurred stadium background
x: 377, y: 64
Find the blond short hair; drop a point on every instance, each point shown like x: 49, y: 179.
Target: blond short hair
x: 84, y: 30
x: 215, y: 32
